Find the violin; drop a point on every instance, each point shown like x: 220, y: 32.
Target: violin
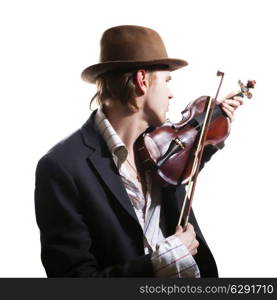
x: 173, y: 152
x: 167, y: 151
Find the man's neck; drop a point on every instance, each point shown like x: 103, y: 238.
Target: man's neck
x: 128, y: 125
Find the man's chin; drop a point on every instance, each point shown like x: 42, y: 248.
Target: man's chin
x: 163, y: 120
x: 159, y: 122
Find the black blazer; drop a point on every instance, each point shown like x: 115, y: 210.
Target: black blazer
x: 87, y: 224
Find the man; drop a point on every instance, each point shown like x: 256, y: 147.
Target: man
x: 99, y: 216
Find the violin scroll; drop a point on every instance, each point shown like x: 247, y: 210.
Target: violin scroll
x: 245, y: 88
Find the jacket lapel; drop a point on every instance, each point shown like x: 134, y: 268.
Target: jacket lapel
x: 101, y: 160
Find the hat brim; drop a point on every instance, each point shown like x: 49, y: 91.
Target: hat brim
x: 91, y: 73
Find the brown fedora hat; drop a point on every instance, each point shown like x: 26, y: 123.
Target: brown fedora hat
x: 129, y: 46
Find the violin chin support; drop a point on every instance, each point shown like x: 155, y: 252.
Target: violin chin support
x: 179, y: 142
x: 175, y: 146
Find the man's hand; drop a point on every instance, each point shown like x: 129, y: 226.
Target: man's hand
x: 230, y: 105
x: 188, y: 238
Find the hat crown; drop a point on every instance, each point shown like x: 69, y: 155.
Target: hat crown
x: 128, y: 47
x: 131, y: 43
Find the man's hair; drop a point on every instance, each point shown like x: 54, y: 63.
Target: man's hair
x: 120, y: 85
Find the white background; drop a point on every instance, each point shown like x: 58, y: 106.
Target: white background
x: 44, y: 47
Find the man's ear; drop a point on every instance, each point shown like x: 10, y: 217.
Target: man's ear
x: 141, y: 81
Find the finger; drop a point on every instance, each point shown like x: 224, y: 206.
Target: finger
x: 194, y: 244
x: 179, y: 229
x: 235, y: 103
x: 193, y: 252
x: 228, y: 106
x: 229, y: 114
x: 240, y: 99
x: 228, y: 96
x: 189, y: 228
x: 192, y: 247
x: 228, y: 110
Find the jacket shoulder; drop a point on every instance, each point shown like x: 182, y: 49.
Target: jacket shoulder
x: 74, y: 148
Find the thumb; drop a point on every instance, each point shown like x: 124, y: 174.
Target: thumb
x: 179, y: 229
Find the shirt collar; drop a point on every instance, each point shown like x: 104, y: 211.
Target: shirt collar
x: 114, y: 142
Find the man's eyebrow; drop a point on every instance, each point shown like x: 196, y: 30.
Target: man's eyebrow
x: 168, y: 77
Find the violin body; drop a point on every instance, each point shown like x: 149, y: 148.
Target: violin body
x: 168, y: 151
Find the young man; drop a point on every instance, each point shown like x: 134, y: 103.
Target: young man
x: 98, y: 215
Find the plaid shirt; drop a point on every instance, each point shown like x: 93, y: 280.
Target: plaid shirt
x: 170, y: 258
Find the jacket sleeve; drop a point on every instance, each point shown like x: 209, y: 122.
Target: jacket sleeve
x: 65, y: 239
x: 208, y: 152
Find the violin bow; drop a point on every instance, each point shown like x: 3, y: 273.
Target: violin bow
x: 186, y: 207
x: 190, y: 187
